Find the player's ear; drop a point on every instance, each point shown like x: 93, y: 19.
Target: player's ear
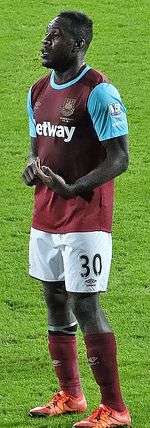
x: 79, y: 44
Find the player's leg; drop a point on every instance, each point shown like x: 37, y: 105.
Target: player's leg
x: 46, y: 264
x: 89, y: 261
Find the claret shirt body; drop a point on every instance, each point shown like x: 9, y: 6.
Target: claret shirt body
x: 71, y: 123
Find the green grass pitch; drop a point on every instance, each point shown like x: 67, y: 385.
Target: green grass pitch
x: 120, y: 48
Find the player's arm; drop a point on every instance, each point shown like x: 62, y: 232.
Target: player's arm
x: 29, y: 173
x: 108, y: 116
x: 115, y: 163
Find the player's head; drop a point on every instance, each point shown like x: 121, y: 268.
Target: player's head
x: 68, y: 37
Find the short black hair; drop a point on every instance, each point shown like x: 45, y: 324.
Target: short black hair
x: 79, y: 25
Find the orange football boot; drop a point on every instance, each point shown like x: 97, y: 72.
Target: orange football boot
x: 60, y: 403
x: 105, y: 417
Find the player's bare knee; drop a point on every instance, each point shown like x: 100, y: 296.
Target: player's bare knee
x: 83, y: 304
x: 55, y: 295
x: 59, y: 310
x: 88, y: 312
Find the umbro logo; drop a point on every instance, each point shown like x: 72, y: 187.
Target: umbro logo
x: 93, y: 361
x: 49, y: 130
x: 56, y: 363
x: 90, y: 282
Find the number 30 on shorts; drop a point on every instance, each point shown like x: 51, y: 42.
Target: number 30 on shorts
x: 96, y: 265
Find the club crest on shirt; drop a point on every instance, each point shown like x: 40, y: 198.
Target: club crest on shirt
x: 68, y: 107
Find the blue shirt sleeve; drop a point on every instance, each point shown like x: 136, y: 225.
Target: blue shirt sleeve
x: 32, y: 123
x: 107, y: 112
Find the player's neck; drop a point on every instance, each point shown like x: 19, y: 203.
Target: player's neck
x: 65, y: 76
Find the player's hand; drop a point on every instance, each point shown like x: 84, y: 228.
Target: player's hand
x: 29, y: 174
x: 53, y: 181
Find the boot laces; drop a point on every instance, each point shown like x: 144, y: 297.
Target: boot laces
x: 56, y: 398
x: 99, y: 414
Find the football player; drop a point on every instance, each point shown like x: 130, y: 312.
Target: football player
x: 78, y: 130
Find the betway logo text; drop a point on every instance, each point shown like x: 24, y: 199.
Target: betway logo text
x: 60, y: 131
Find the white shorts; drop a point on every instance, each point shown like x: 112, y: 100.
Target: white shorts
x: 81, y: 259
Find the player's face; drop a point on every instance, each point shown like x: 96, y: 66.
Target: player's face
x: 58, y: 51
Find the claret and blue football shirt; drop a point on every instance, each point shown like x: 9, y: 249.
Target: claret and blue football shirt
x: 71, y: 123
